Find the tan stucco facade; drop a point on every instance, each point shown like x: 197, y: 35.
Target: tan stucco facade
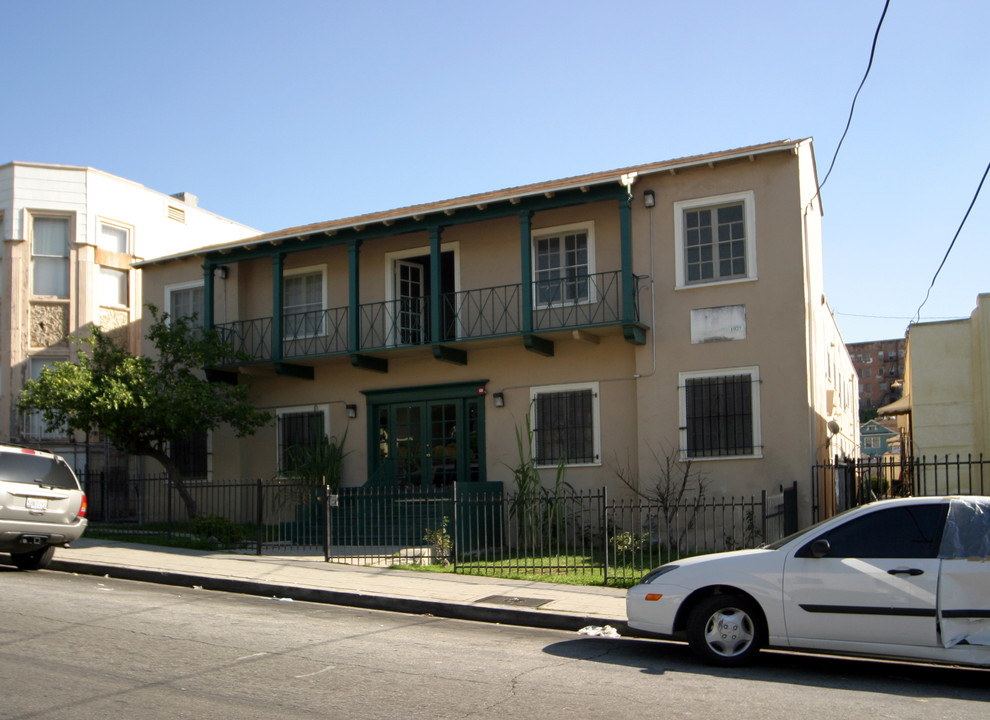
x: 771, y: 323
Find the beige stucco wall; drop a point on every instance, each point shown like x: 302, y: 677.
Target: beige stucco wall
x: 806, y: 376
x: 946, y: 373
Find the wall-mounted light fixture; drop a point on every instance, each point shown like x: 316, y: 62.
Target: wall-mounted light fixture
x: 499, y: 399
x: 649, y: 198
x: 351, y: 411
x: 220, y: 271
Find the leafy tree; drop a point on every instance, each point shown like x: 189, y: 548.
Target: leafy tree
x: 143, y: 405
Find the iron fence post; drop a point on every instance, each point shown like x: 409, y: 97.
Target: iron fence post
x: 453, y: 535
x: 604, y: 528
x: 260, y: 517
x: 326, y: 522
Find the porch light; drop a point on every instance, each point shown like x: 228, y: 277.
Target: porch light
x: 351, y: 411
x: 499, y: 399
x: 649, y: 198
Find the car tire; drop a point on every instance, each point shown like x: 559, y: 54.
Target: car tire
x: 725, y: 630
x: 34, y: 560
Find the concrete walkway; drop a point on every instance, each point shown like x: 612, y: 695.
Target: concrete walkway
x: 309, y: 578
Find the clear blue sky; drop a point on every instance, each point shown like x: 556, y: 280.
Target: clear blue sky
x: 282, y: 113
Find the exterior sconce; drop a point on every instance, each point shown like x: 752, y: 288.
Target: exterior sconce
x: 649, y: 198
x: 351, y: 411
x: 499, y: 399
x: 220, y: 271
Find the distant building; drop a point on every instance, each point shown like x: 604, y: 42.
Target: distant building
x: 878, y: 437
x: 70, y: 238
x: 880, y: 368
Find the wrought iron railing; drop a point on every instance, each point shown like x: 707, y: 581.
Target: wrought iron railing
x: 582, y: 301
x: 474, y: 527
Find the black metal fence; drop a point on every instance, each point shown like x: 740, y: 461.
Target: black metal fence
x: 471, y: 528
x: 846, y: 483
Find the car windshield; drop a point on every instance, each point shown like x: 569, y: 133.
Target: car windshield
x: 36, y: 470
x: 777, y: 545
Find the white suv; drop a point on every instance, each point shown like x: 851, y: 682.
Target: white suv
x: 41, y: 506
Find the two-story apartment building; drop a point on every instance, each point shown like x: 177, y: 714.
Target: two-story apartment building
x: 674, y: 308
x: 70, y: 237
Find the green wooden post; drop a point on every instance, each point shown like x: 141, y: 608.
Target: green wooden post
x: 625, y: 244
x: 526, y: 244
x: 435, y: 298
x: 278, y: 305
x: 207, y: 297
x: 354, y: 296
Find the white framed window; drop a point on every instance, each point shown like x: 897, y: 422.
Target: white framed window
x: 183, y: 300
x: 113, y: 238
x: 871, y: 442
x: 715, y: 239
x: 304, y: 299
x: 34, y: 420
x: 563, y: 265
x: 113, y: 287
x: 50, y: 255
x: 301, y: 426
x: 565, y: 423
x: 720, y: 414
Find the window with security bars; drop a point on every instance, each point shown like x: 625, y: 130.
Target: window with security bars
x: 298, y: 429
x: 191, y: 455
x: 564, y: 427
x: 719, y: 416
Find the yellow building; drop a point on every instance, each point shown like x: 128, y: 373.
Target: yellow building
x: 945, y: 410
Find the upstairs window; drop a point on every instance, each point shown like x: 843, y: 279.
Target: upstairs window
x: 113, y: 287
x: 563, y: 262
x: 113, y: 238
x: 715, y: 239
x: 184, y: 301
x: 50, y: 256
x: 302, y: 303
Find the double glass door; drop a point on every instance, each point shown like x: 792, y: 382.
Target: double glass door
x: 430, y: 444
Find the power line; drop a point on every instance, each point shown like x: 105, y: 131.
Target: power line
x: 869, y: 65
x: 954, y: 238
x: 889, y: 317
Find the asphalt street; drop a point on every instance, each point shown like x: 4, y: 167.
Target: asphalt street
x: 87, y: 646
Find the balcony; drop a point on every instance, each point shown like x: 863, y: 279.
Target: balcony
x: 574, y: 303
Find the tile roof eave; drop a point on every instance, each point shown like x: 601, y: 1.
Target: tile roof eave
x: 505, y: 195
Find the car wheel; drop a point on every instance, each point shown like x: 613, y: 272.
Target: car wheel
x: 34, y: 560
x: 725, y: 630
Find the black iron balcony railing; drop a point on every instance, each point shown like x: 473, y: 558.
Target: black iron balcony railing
x: 568, y: 303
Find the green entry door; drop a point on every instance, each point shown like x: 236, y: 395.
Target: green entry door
x: 430, y: 443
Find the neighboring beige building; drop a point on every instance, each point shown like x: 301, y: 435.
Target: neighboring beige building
x: 946, y: 404
x: 70, y: 236
x: 676, y: 307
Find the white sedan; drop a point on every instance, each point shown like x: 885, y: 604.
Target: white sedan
x: 906, y: 579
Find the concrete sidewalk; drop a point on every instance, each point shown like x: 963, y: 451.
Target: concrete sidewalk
x: 309, y: 578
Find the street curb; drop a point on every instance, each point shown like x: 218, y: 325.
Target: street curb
x: 476, y: 612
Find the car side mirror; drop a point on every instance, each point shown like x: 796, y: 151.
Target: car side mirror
x: 820, y: 548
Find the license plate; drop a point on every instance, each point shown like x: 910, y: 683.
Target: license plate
x: 36, y: 503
